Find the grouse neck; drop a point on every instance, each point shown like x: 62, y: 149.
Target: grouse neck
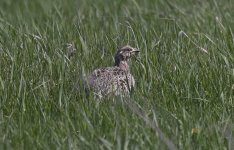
x: 123, y: 65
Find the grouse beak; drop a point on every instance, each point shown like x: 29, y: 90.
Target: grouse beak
x: 135, y: 51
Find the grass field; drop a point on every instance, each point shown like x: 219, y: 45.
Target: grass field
x: 184, y: 77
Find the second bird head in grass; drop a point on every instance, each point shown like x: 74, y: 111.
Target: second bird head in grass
x: 124, y: 53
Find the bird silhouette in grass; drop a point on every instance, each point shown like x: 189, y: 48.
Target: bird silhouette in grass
x: 115, y: 80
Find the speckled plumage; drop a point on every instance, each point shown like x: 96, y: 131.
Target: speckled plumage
x: 116, y: 80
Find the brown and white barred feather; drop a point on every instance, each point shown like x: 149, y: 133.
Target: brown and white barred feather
x: 111, y: 80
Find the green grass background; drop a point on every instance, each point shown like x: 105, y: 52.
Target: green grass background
x: 185, y: 78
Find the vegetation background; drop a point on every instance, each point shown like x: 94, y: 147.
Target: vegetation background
x: 185, y: 77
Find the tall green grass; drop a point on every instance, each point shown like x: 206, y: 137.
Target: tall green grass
x: 184, y: 79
